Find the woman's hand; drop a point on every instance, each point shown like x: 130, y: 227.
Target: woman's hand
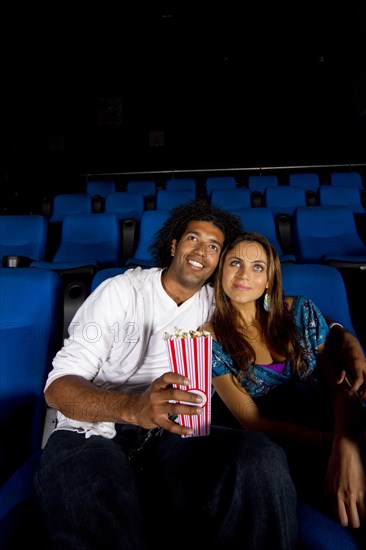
x: 346, y: 482
x: 349, y: 360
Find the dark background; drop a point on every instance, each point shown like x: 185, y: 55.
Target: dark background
x: 173, y: 85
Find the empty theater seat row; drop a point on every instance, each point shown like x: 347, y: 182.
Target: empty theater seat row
x: 104, y: 241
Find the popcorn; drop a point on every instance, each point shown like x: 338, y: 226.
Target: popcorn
x: 179, y: 333
x: 190, y: 354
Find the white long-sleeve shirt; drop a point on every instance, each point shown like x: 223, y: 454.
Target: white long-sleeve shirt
x: 116, y: 337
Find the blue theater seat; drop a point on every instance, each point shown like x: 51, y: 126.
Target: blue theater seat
x: 23, y: 239
x: 327, y: 234
x: 126, y: 205
x: 86, y: 239
x: 219, y: 182
x: 148, y: 188
x: 341, y: 195
x: 262, y: 220
x: 30, y: 334
x: 283, y: 199
x: 151, y: 221
x: 104, y: 274
x: 324, y: 285
x: 89, y: 242
x: 166, y: 200
x: 346, y: 178
x: 257, y: 184
x: 309, y: 181
x: 231, y: 199
x: 66, y: 204
x: 260, y: 183
x: 100, y: 188
x: 179, y: 184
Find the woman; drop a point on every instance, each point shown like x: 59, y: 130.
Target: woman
x: 269, y: 368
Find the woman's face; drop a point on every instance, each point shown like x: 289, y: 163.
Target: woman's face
x: 244, y: 275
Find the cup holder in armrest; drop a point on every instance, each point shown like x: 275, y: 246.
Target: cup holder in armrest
x: 16, y: 261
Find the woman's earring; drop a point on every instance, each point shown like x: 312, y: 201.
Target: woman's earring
x: 267, y: 301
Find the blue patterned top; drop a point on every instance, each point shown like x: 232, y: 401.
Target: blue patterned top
x: 314, y: 330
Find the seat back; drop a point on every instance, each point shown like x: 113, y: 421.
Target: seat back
x: 260, y: 183
x: 30, y: 334
x: 166, y: 200
x: 324, y: 285
x: 345, y: 195
x: 125, y: 205
x: 23, y: 236
x: 146, y: 187
x: 346, y: 178
x: 70, y: 203
x: 320, y: 231
x: 150, y: 223
x: 104, y: 274
x: 231, y: 199
x: 93, y: 238
x: 307, y: 180
x: 100, y: 188
x: 261, y: 220
x: 283, y: 199
x: 219, y: 182
x: 179, y: 184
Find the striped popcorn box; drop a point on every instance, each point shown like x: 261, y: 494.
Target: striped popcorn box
x: 192, y: 357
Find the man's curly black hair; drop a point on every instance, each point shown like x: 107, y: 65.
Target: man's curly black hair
x: 197, y: 210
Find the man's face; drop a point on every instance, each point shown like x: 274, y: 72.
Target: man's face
x: 196, y: 255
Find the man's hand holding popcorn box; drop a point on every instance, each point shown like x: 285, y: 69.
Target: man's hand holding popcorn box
x: 190, y: 354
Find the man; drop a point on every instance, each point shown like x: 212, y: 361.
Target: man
x: 116, y: 472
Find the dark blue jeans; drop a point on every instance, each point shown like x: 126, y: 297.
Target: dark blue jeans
x: 227, y: 490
